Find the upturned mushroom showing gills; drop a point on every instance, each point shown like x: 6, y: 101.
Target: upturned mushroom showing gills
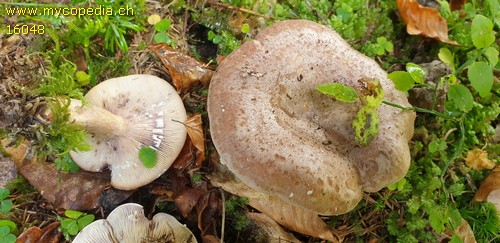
x: 127, y: 224
x: 123, y: 115
x: 282, y: 137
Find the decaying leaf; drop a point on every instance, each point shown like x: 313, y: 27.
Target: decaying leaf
x: 295, y: 218
x: 76, y: 191
x: 48, y: 234
x: 265, y: 229
x: 490, y: 189
x: 477, y: 159
x: 194, y: 147
x: 465, y: 232
x: 457, y: 4
x: 424, y: 21
x: 8, y: 170
x: 186, y: 71
x: 18, y: 153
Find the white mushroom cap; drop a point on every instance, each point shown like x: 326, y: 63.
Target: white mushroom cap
x: 122, y: 116
x: 282, y: 137
x: 127, y: 224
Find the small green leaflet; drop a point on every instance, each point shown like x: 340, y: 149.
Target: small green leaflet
x: 340, y: 92
x: 163, y: 25
x: 402, y: 80
x: 416, y: 72
x: 480, y: 75
x: 461, y: 97
x: 148, y: 157
x: 481, y: 32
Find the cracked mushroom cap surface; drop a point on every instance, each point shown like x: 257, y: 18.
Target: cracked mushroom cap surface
x: 143, y: 111
x: 281, y: 136
x: 127, y: 224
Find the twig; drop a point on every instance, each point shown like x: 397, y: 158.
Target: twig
x: 223, y: 216
x: 222, y: 5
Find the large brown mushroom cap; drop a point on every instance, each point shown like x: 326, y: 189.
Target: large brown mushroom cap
x: 122, y: 116
x: 280, y: 136
x: 127, y: 224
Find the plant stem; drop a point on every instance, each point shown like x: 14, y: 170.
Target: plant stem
x: 458, y: 151
x: 418, y: 109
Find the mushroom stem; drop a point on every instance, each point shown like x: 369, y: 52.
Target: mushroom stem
x: 96, y: 120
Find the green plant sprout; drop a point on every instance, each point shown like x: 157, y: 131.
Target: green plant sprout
x: 366, y: 122
x: 162, y: 28
x: 74, y: 222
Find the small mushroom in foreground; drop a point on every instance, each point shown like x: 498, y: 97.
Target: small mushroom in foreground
x: 280, y: 136
x: 127, y: 224
x: 124, y: 115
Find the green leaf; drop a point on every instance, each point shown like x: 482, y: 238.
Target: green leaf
x: 72, y: 214
x: 245, y: 28
x: 163, y: 25
x: 217, y: 39
x: 456, y: 189
x: 481, y: 77
x: 416, y: 72
x: 437, y: 146
x: 148, y: 157
x: 400, y: 185
x: 4, y: 231
x: 85, y: 220
x: 461, y: 97
x: 492, y: 55
x: 482, y: 32
x: 447, y: 57
x: 455, y: 239
x: 436, y: 220
x: 12, y: 226
x: 211, y: 35
x: 162, y: 38
x: 455, y: 218
x: 4, y: 193
x: 340, y: 92
x: 5, y: 206
x: 82, y: 78
x: 71, y: 227
x: 10, y: 238
x: 402, y: 80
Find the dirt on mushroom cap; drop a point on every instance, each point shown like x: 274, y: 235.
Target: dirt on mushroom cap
x: 280, y: 136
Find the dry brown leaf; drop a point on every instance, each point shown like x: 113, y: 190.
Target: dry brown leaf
x: 49, y: 234
x: 8, y: 170
x: 209, y: 209
x: 465, y: 233
x: 76, y: 191
x: 457, y: 4
x: 17, y: 153
x: 186, y: 71
x: 295, y: 218
x: 477, y: 159
x: 424, y: 21
x: 187, y: 200
x: 490, y: 189
x: 265, y: 229
x: 194, y: 147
